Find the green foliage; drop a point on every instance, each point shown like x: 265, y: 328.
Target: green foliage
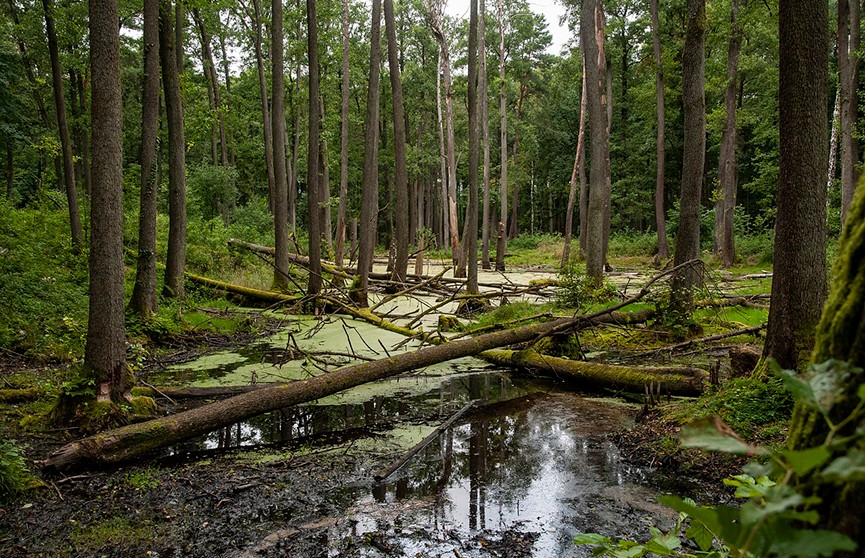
x: 632, y: 243
x: 212, y: 190
x: 577, y: 291
x: 15, y: 477
x: 43, y: 284
x: 746, y: 404
x: 142, y: 479
x: 115, y: 533
x: 776, y: 516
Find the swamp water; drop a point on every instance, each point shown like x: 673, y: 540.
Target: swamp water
x: 520, y: 474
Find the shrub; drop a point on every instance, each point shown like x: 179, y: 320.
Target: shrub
x: 15, y: 478
x: 577, y: 291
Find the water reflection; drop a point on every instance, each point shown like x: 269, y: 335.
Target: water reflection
x: 542, y: 466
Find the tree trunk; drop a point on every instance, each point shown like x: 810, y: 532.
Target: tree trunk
x: 514, y: 229
x: 62, y: 126
x: 369, y: 194
x: 105, y: 350
x: 210, y: 74
x: 839, y: 336
x: 660, y: 217
x: 799, y: 279
x: 400, y: 267
x: 693, y: 157
x: 502, y: 245
x: 144, y: 293
x: 85, y: 140
x: 483, y: 101
x: 265, y: 111
x: 472, y: 211
x: 312, y: 177
x: 727, y: 174
x: 833, y: 143
x: 578, y: 161
x: 179, y: 26
x: 848, y: 71
x: 176, y: 259
x: 277, y: 127
x: 592, y: 36
x: 343, y: 137
x: 445, y: 206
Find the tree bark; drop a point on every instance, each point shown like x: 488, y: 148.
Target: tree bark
x: 312, y: 175
x: 62, y: 126
x: 502, y: 246
x: 839, y: 336
x: 210, y: 74
x: 369, y: 194
x: 445, y: 206
x: 277, y: 127
x: 483, y: 101
x: 105, y: 350
x: 435, y: 14
x: 169, y: 54
x: 471, y: 242
x: 799, y: 279
x: 660, y: 217
x: 833, y: 143
x: 400, y: 267
x: 848, y: 71
x: 578, y: 162
x: 592, y: 36
x: 144, y: 298
x: 725, y: 206
x: 343, y: 137
x: 693, y: 157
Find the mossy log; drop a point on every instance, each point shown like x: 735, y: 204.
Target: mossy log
x: 136, y: 440
x: 175, y: 392
x: 16, y: 395
x: 673, y: 380
x: 256, y: 294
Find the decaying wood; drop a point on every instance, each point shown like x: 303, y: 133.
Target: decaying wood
x: 701, y: 340
x: 743, y: 359
x: 213, y: 392
x: 257, y: 294
x: 403, y: 459
x: 675, y: 380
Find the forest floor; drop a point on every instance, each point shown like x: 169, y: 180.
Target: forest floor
x: 301, y: 484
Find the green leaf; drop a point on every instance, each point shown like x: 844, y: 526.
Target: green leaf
x: 804, y: 461
x: 799, y: 388
x: 662, y: 544
x: 850, y: 467
x: 811, y: 544
x: 630, y: 552
x: 861, y: 391
x: 591, y: 538
x: 716, y: 436
x: 701, y: 536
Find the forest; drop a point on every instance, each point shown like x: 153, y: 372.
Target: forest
x: 421, y: 278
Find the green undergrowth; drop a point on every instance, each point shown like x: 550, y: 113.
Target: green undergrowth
x: 15, y: 477
x: 110, y: 535
x: 756, y: 409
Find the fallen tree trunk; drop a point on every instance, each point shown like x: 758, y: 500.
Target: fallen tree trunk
x: 16, y: 395
x: 258, y: 294
x: 175, y: 392
x: 674, y: 380
x: 135, y: 440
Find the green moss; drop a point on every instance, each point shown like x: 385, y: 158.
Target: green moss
x: 142, y: 479
x: 116, y: 533
x: 143, y: 407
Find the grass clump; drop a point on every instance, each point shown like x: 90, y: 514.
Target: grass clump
x: 15, y: 477
x: 577, y: 291
x: 116, y: 533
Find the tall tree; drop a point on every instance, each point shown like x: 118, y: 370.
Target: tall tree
x: 443, y: 173
x: 369, y: 194
x: 434, y: 10
x: 105, y: 351
x: 694, y: 154
x: 502, y: 244
x: 839, y: 337
x: 277, y: 126
x: 483, y: 104
x: 592, y: 41
x: 471, y: 238
x: 175, y: 264
x: 725, y: 204
x: 848, y: 73
x: 62, y: 125
x: 579, y: 162
x: 212, y: 79
x: 799, y: 279
x: 660, y: 217
x: 267, y: 128
x: 343, y: 138
x: 144, y: 293
x: 313, y: 180
x: 400, y: 266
